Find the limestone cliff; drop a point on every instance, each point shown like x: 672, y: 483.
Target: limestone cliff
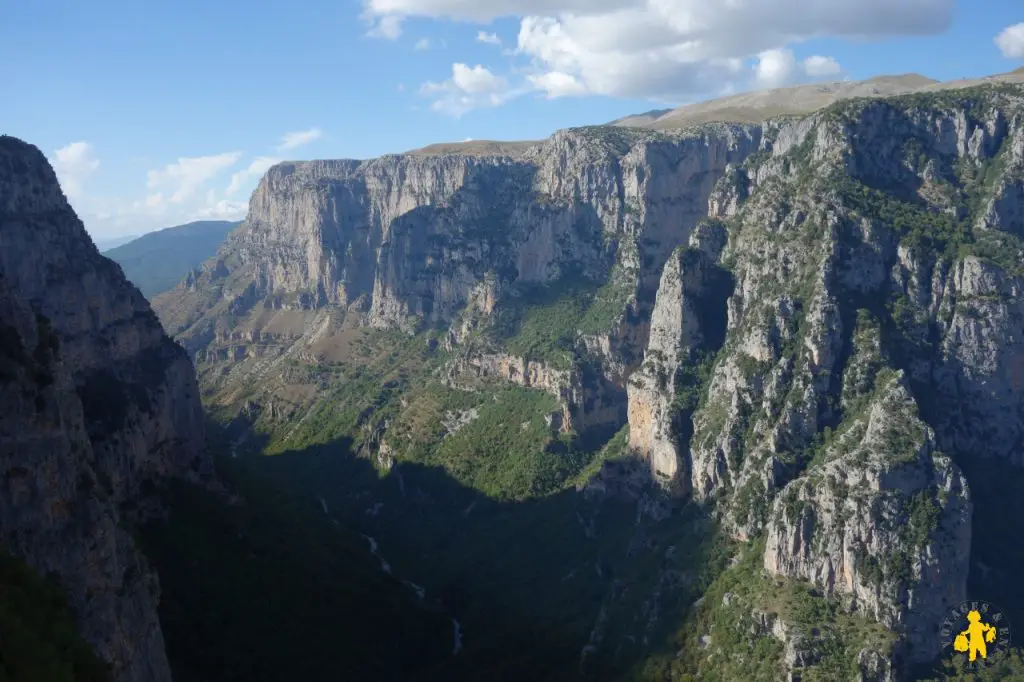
x: 807, y: 324
x: 884, y: 520
x: 682, y: 324
x: 410, y: 237
x: 96, y: 403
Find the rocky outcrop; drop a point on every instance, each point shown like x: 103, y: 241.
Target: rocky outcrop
x: 587, y: 401
x: 97, y: 402
x: 691, y: 287
x: 883, y: 522
x: 137, y: 386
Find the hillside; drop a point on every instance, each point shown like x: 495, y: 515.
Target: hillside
x: 157, y: 261
x: 638, y: 402
x: 639, y: 120
x: 756, y: 106
x: 105, y: 245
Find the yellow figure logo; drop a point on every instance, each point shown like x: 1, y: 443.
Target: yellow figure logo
x: 973, y: 639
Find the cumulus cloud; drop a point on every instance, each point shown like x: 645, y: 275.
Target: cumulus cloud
x: 776, y: 68
x: 255, y: 170
x: 476, y: 79
x: 488, y: 38
x: 818, y: 66
x: 422, y: 44
x: 73, y: 165
x: 181, y: 179
x: 1011, y: 41
x: 676, y: 49
x: 222, y: 209
x: 468, y: 88
x: 298, y: 138
x: 557, y: 84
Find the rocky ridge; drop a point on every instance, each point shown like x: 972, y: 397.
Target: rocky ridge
x: 97, y: 405
x: 805, y: 323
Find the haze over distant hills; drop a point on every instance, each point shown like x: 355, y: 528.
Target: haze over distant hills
x: 105, y: 245
x: 155, y: 262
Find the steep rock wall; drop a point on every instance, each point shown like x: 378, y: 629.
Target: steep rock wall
x: 96, y: 401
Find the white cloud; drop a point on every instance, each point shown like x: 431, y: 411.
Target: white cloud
x: 676, y: 49
x: 388, y: 28
x: 1011, y: 41
x: 469, y: 88
x: 298, y: 138
x: 476, y: 79
x: 256, y: 169
x: 176, y: 193
x: 225, y: 209
x: 558, y: 84
x: 423, y: 44
x: 489, y: 38
x: 818, y: 66
x: 775, y: 68
x: 483, y: 10
x: 73, y: 165
x: 183, y: 178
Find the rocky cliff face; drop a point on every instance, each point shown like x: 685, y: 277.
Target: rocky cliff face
x: 871, y: 216
x: 96, y: 403
x: 805, y: 324
x: 682, y: 324
x: 884, y: 520
x: 410, y: 237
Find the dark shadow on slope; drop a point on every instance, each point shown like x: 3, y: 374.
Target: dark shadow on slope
x: 526, y: 580
x: 260, y: 587
x: 693, y: 379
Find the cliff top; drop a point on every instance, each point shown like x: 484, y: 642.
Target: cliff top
x: 754, y: 107
x: 747, y: 107
x: 477, y: 148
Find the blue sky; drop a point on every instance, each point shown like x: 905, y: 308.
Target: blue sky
x: 162, y: 112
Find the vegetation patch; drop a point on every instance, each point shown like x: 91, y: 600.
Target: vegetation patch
x: 39, y: 641
x: 544, y: 322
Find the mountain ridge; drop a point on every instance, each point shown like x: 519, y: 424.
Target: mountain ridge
x: 773, y: 103
x: 157, y: 261
x: 762, y: 314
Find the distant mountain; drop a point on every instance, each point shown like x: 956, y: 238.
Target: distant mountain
x: 759, y: 105
x: 639, y: 120
x: 756, y: 106
x: 155, y: 262
x: 105, y: 245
